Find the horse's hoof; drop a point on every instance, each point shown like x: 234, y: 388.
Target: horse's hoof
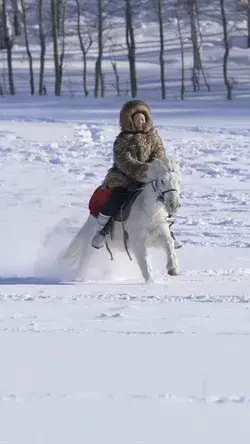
x: 173, y: 272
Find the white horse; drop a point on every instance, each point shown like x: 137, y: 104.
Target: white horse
x: 148, y: 223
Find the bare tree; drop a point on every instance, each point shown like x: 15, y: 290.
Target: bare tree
x: 2, y: 86
x: 2, y: 39
x: 85, y: 45
x: 115, y: 70
x: 99, y: 75
x: 3, y: 83
x: 207, y: 84
x: 105, y: 9
x: 182, y: 55
x: 159, y: 9
x: 191, y: 7
x: 226, y: 52
x: 60, y: 16
x: 248, y: 22
x: 16, y: 17
x: 245, y: 6
x: 58, y: 44
x: 41, y: 87
x: 7, y: 40
x: 196, y: 42
x: 131, y: 45
x: 25, y: 28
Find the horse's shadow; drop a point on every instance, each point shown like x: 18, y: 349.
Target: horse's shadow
x: 31, y: 280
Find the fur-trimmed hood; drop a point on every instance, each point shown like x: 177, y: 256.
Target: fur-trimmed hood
x: 127, y: 112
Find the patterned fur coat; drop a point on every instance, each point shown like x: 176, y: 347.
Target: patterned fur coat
x: 133, y: 150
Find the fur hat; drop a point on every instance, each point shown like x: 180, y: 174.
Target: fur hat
x: 128, y: 111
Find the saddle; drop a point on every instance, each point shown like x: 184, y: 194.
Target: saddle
x: 121, y: 216
x: 124, y: 212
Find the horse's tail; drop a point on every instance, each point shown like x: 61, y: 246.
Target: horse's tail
x: 75, y: 250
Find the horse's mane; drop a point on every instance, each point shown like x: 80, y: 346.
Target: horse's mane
x: 173, y: 165
x: 168, y: 164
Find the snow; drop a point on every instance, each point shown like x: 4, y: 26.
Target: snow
x: 106, y: 358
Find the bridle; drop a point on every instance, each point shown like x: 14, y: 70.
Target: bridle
x: 160, y: 194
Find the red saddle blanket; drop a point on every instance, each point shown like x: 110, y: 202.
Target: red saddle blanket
x: 99, y: 197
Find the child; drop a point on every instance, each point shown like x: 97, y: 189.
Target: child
x: 134, y: 148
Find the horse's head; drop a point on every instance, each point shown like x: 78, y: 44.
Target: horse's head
x: 164, y: 176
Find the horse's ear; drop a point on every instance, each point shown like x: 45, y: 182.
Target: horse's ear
x: 151, y: 172
x: 174, y: 165
x: 159, y: 167
x: 156, y: 168
x: 171, y: 164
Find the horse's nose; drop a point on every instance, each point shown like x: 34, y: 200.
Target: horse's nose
x: 174, y: 204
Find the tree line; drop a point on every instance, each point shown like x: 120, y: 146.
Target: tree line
x: 92, y: 22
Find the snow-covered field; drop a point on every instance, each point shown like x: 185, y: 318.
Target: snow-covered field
x: 114, y: 360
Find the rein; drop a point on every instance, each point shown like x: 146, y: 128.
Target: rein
x: 160, y: 194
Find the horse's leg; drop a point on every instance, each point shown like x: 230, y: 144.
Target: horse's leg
x: 142, y: 259
x: 172, y: 260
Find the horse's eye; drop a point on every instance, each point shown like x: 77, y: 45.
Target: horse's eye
x: 162, y: 181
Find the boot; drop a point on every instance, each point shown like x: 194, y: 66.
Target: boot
x: 99, y: 237
x: 177, y: 243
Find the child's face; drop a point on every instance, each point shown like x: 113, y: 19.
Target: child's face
x: 139, y: 121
